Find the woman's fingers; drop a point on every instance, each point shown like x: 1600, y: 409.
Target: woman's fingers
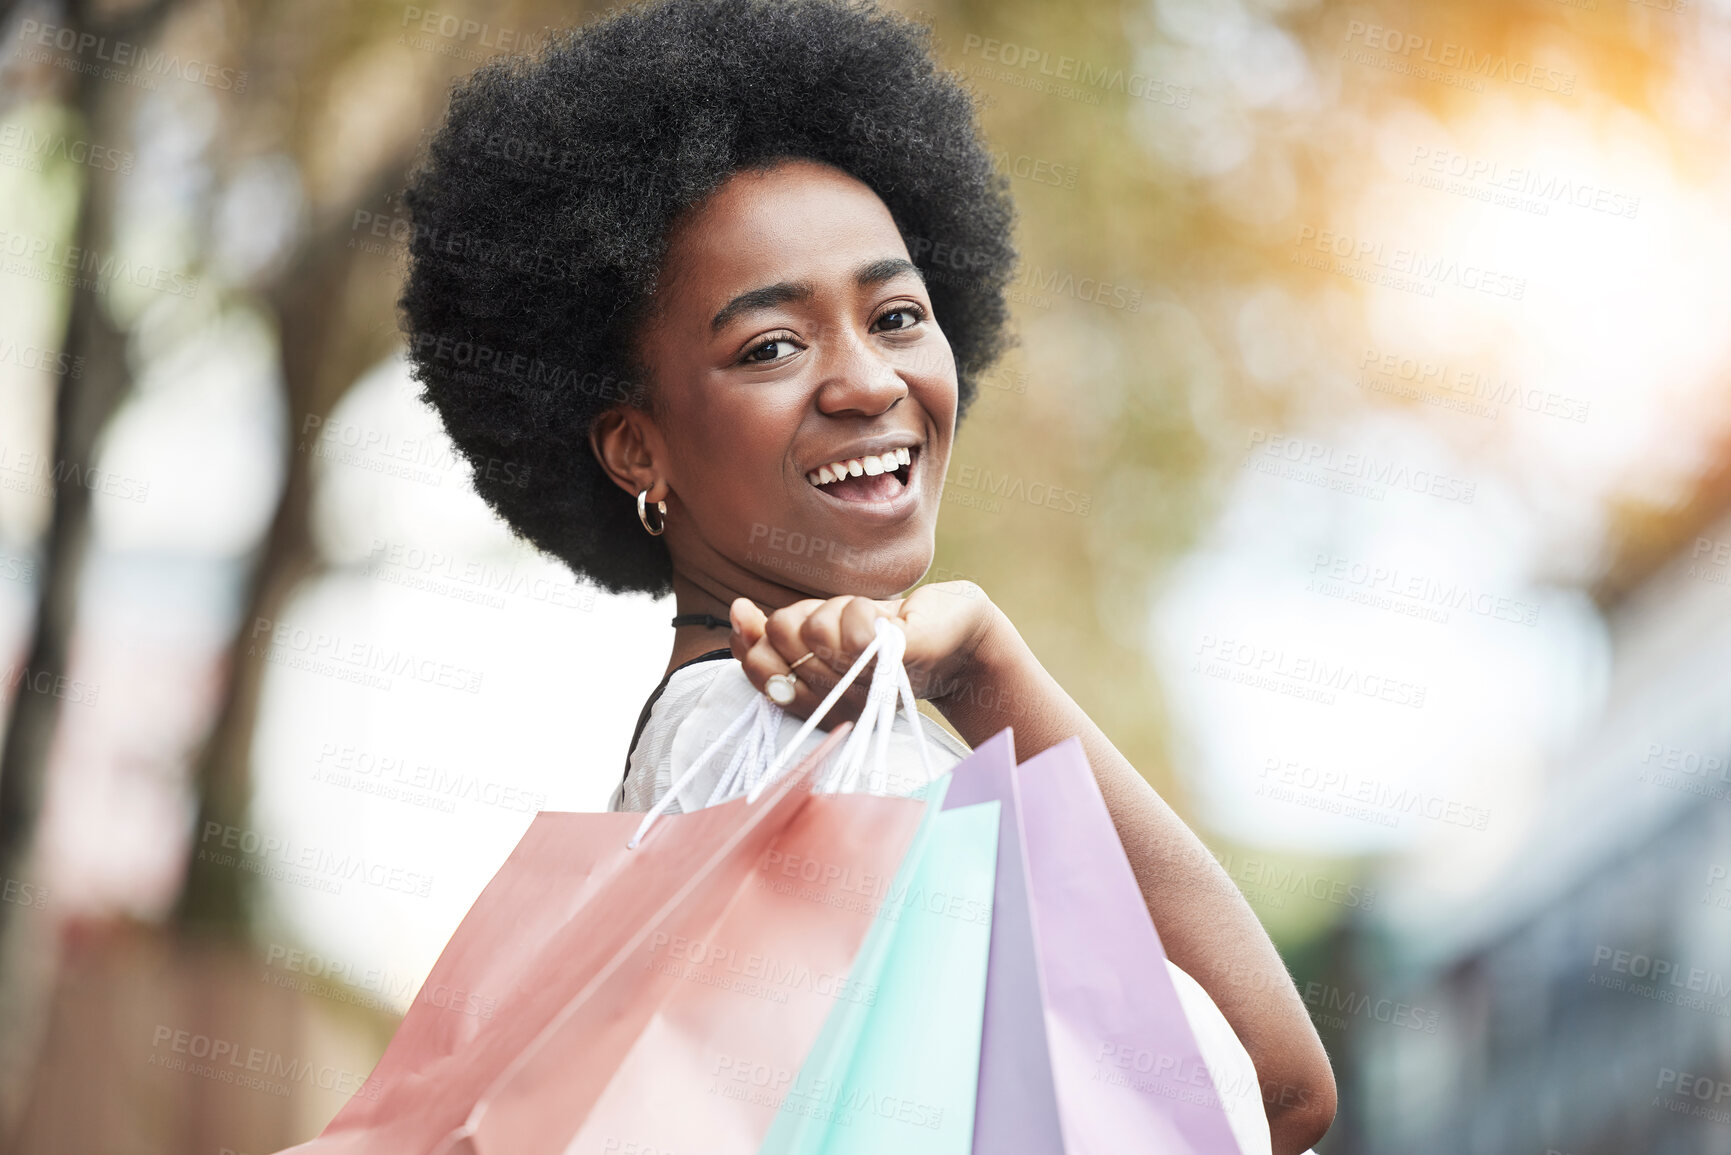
x: 819, y: 636
x: 857, y: 627
x: 764, y: 661
x: 748, y: 622
x: 834, y: 633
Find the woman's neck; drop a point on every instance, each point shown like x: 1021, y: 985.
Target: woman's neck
x: 699, y: 595
x: 706, y: 593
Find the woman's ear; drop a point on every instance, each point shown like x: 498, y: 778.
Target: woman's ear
x: 628, y: 446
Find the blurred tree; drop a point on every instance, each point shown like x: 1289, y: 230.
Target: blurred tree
x: 82, y: 407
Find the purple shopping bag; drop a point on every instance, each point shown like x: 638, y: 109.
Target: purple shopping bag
x: 1016, y: 1112
x: 1127, y: 1073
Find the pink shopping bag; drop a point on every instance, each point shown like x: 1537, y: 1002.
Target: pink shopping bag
x: 687, y: 1044
x: 564, y: 911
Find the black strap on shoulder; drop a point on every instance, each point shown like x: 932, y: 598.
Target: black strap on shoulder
x: 643, y: 718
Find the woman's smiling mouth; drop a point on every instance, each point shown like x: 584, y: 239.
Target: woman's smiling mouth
x: 869, y: 478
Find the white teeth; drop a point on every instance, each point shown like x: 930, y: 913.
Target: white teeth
x: 869, y: 466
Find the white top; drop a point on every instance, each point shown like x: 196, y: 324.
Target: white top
x: 700, y: 702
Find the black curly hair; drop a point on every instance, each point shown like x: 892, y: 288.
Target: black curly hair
x: 540, y: 211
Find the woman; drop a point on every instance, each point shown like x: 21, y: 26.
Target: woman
x: 726, y: 274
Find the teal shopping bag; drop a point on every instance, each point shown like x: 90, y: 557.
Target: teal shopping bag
x: 897, y: 1068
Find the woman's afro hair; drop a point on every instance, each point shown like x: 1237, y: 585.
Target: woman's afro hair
x: 540, y: 211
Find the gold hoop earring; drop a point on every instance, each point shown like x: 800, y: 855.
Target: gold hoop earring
x: 643, y: 513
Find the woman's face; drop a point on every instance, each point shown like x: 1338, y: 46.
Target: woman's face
x: 791, y: 336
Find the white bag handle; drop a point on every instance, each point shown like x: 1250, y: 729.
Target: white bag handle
x: 889, y: 679
x: 751, y: 772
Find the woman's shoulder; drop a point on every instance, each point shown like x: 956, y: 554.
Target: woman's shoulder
x: 671, y: 702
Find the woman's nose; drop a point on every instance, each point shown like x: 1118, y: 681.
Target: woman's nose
x: 859, y: 379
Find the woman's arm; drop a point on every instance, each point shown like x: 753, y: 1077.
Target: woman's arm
x: 967, y: 657
x: 1205, y: 923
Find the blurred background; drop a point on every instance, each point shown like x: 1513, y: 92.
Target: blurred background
x: 1382, y: 354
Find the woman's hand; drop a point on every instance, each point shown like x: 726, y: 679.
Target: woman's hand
x: 945, y: 623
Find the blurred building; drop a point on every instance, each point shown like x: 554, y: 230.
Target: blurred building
x: 1580, y: 1002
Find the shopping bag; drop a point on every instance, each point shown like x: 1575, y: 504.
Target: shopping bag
x: 681, y: 1045
x: 567, y: 901
x: 1127, y: 1072
x: 636, y: 1060
x: 899, y: 1073
x: 1017, y: 1108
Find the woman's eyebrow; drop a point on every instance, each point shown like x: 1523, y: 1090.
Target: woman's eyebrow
x: 780, y: 293
x: 788, y: 292
x: 887, y: 269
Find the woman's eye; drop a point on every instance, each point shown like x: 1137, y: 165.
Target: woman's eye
x: 771, y: 350
x: 903, y: 318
